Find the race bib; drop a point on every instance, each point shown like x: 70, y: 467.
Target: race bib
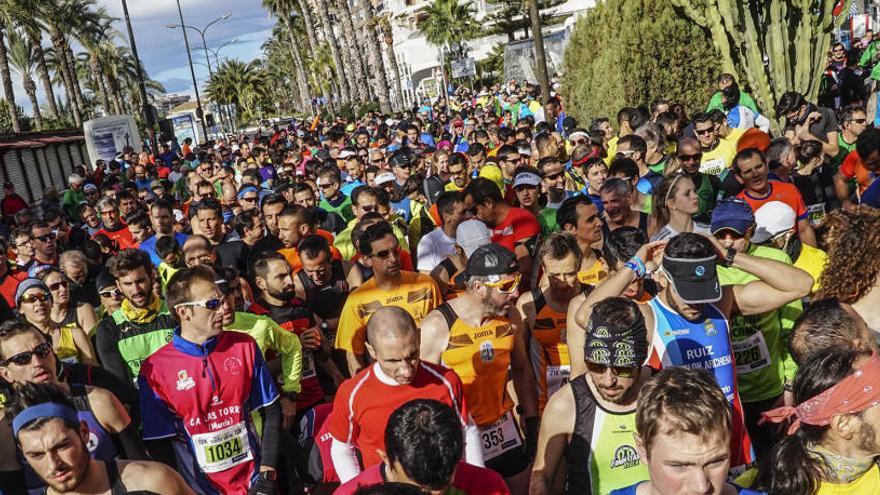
x: 557, y: 376
x: 816, y: 213
x: 712, y: 167
x: 223, y: 449
x: 751, y: 354
x: 308, y: 366
x: 500, y: 437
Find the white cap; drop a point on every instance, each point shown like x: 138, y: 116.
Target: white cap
x: 384, y: 177
x: 345, y: 154
x: 526, y: 179
x: 179, y: 216
x: 577, y: 134
x: 772, y: 219
x: 472, y: 234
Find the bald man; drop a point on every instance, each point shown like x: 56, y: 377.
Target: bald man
x: 364, y: 402
x: 197, y: 250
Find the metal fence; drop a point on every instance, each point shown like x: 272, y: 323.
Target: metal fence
x: 32, y: 162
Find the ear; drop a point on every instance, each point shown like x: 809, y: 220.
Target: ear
x: 660, y: 279
x: 260, y: 282
x: 84, y: 432
x: 368, y: 261
x: 5, y: 375
x: 370, y: 350
x: 738, y: 178
x: 845, y: 425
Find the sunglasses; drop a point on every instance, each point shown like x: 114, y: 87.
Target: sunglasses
x: 209, y: 304
x: 114, y: 293
x: 45, y: 238
x: 386, y: 253
x: 554, y: 176
x: 40, y: 296
x: 249, y: 200
x: 24, y: 358
x: 703, y: 132
x: 618, y: 371
x: 368, y: 208
x: 326, y: 185
x: 691, y: 158
x: 57, y: 285
x: 506, y: 286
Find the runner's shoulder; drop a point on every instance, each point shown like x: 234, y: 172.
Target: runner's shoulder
x: 150, y: 476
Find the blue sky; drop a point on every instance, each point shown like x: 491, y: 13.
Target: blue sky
x: 162, y: 49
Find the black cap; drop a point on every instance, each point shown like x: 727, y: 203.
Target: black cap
x: 695, y: 280
x: 322, y: 155
x: 104, y: 280
x: 401, y: 158
x: 491, y: 259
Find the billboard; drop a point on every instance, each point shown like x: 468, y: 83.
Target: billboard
x: 106, y: 137
x: 519, y: 57
x: 183, y: 126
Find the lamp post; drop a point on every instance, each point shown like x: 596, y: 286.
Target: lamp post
x: 145, y: 107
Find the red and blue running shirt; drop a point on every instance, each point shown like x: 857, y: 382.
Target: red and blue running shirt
x: 201, y: 397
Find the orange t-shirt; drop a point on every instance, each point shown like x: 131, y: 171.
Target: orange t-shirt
x: 779, y: 191
x: 852, y: 167
x: 292, y: 257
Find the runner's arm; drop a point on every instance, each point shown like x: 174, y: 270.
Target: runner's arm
x: 552, y: 441
x: 111, y: 414
x: 779, y: 284
x: 576, y: 334
x: 806, y: 233
x: 271, y: 435
x: 86, y: 317
x: 108, y: 350
x: 521, y: 370
x: 84, y: 346
x: 435, y: 337
x: 345, y: 460
x: 841, y: 189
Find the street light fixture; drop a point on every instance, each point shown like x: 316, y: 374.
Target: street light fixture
x: 200, y: 113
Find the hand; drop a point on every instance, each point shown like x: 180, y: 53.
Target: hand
x: 652, y: 254
x: 263, y: 486
x: 288, y: 413
x: 720, y: 250
x: 310, y: 338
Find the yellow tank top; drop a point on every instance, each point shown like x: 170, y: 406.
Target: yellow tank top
x: 866, y: 484
x: 547, y: 349
x: 480, y: 352
x: 595, y: 275
x: 66, y: 349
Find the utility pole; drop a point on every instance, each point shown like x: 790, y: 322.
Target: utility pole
x: 146, y: 109
x: 540, y: 57
x: 199, y: 112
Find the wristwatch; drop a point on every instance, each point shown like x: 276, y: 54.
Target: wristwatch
x: 269, y: 474
x: 728, y: 259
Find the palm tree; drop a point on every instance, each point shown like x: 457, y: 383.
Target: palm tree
x: 5, y: 75
x: 448, y: 23
x: 344, y: 78
x: 23, y: 59
x: 385, y: 31
x: 282, y: 10
x: 356, y: 64
x: 375, y: 52
x: 246, y: 86
x: 25, y: 18
x: 92, y: 33
x: 53, y: 15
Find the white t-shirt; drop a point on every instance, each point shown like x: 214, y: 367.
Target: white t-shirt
x: 434, y: 247
x: 667, y: 232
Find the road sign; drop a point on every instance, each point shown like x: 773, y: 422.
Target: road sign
x: 463, y: 68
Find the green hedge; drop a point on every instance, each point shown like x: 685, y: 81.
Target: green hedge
x: 629, y: 52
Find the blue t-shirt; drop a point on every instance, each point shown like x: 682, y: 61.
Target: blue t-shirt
x: 149, y: 246
x: 871, y: 196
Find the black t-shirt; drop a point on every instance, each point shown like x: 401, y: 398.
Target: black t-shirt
x: 234, y: 253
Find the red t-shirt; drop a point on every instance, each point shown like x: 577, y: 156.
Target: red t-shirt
x: 518, y: 226
x: 364, y: 403
x: 121, y: 236
x: 467, y: 480
x: 9, y: 284
x: 779, y: 191
x: 852, y: 167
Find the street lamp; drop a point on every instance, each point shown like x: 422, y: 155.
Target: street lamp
x: 200, y: 113
x: 216, y: 51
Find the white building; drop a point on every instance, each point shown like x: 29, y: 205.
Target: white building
x: 419, y: 62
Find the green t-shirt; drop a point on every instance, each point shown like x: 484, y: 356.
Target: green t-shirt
x: 343, y: 209
x: 547, y: 219
x: 760, y: 342
x: 70, y: 202
x: 745, y: 100
x: 270, y: 336
x: 844, y: 149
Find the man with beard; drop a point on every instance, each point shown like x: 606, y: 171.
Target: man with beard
x: 480, y: 335
x: 832, y: 443
x: 594, y: 415
x: 365, y: 402
x: 55, y: 443
x: 199, y: 393
x: 270, y: 337
x: 113, y: 227
x: 276, y: 298
x: 543, y: 311
x: 45, y: 245
x: 417, y: 293
x: 690, y: 315
x: 141, y: 325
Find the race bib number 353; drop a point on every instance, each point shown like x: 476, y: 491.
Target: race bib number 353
x: 500, y: 437
x: 223, y: 449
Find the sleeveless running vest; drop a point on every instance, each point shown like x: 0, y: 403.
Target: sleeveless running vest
x: 326, y: 300
x: 601, y: 454
x: 67, y: 351
x: 547, y: 349
x: 456, y: 284
x: 137, y: 342
x: 100, y: 441
x: 482, y: 352
x: 703, y: 345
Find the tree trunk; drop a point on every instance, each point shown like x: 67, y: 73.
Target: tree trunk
x: 99, y: 82
x: 8, y: 91
x: 375, y: 52
x: 31, y: 89
x: 306, y: 11
x: 43, y: 72
x: 77, y: 88
x: 57, y: 42
x: 343, y: 13
x: 388, y: 37
x: 113, y: 88
x: 342, y: 76
x: 301, y: 76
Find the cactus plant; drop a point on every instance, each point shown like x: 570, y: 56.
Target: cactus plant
x: 772, y: 45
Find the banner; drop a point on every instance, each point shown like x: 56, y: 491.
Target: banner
x: 519, y: 57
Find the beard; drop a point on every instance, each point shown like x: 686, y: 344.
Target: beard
x: 868, y: 438
x: 284, y: 293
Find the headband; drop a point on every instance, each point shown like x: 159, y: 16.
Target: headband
x: 247, y: 190
x: 853, y: 394
x: 615, y: 345
x: 578, y: 163
x: 671, y: 187
x: 44, y: 410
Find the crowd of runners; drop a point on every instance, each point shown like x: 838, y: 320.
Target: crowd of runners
x: 483, y: 298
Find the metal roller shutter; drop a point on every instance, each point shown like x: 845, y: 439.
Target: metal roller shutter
x: 75, y: 153
x: 56, y: 175
x: 29, y: 162
x: 66, y: 161
x: 40, y: 178
x: 15, y: 174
